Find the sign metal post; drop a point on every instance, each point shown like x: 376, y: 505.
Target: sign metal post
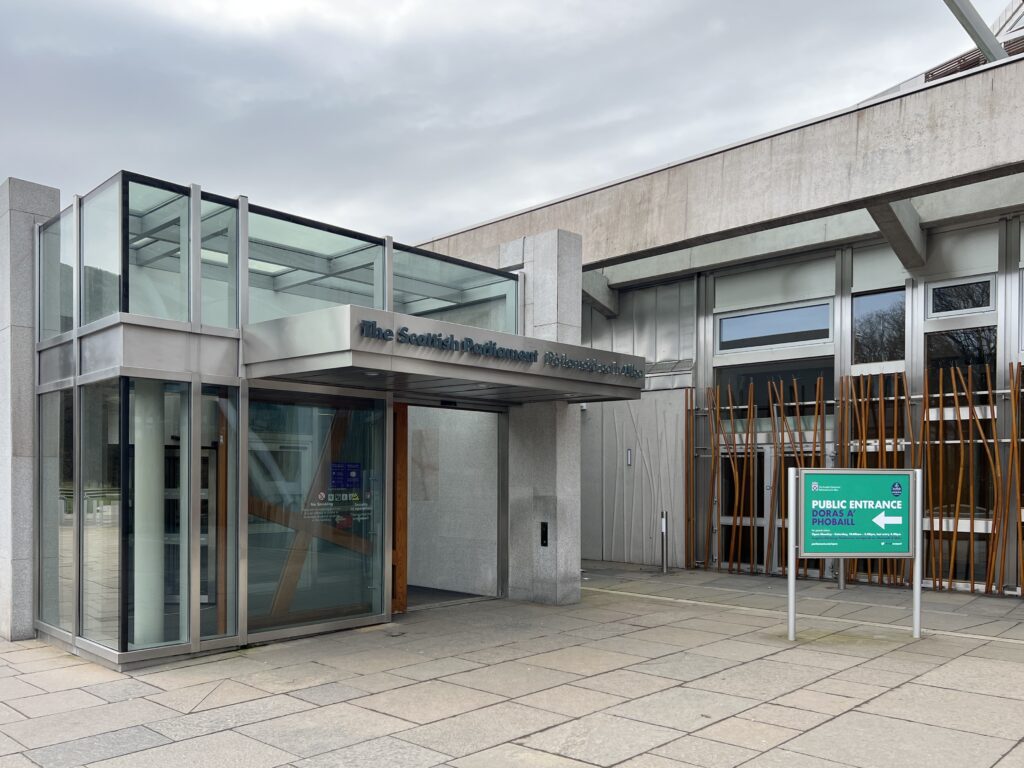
x: 851, y: 513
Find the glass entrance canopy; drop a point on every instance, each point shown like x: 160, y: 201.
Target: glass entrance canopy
x: 183, y: 507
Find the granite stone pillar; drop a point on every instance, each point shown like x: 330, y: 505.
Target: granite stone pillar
x: 544, y: 438
x: 22, y: 206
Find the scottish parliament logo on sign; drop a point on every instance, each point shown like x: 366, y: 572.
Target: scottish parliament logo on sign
x: 856, y: 513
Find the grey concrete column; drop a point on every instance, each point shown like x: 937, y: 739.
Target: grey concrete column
x: 22, y: 206
x: 544, y: 438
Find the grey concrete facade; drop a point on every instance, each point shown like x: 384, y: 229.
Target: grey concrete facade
x: 22, y: 206
x: 544, y: 438
x: 896, y: 148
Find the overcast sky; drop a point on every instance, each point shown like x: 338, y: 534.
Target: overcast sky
x: 420, y: 117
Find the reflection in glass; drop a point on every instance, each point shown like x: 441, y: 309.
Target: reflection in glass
x: 220, y: 264
x: 296, y: 268
x: 457, y: 293
x: 879, y: 327
x: 101, y: 252
x: 801, y: 374
x: 56, y: 276
x: 971, y: 350
x: 218, y: 521
x: 158, y: 284
x: 779, y: 326
x: 56, y: 509
x: 963, y: 297
x: 101, y: 511
x: 316, y: 510
x: 157, y: 519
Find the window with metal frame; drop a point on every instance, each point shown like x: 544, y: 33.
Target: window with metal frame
x: 961, y: 296
x: 775, y: 327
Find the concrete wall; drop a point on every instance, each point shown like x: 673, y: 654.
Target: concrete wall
x: 957, y: 132
x: 22, y: 206
x: 453, y: 500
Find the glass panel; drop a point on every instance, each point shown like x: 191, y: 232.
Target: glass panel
x: 220, y: 264
x: 101, y: 511
x: 779, y: 326
x: 157, y: 520
x: 158, y: 284
x: 962, y: 297
x: 879, y: 327
x: 803, y: 374
x: 56, y: 276
x: 295, y: 268
x: 456, y: 293
x: 101, y: 252
x: 316, y: 509
x: 56, y: 509
x: 218, y: 521
x: 968, y: 348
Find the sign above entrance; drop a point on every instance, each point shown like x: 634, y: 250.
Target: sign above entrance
x: 430, y: 361
x: 369, y: 329
x: 856, y: 513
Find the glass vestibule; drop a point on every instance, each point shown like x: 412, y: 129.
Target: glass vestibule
x: 139, y: 480
x: 316, y: 509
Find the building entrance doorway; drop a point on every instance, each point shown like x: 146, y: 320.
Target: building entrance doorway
x: 448, y: 497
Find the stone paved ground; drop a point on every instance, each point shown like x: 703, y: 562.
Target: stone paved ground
x: 649, y: 671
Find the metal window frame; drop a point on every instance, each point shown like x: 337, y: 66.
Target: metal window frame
x: 931, y: 285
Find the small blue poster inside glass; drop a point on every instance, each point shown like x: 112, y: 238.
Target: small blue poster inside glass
x: 345, y: 504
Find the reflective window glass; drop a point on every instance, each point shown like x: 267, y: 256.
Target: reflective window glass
x: 220, y: 264
x: 101, y: 252
x: 879, y: 327
x: 56, y: 276
x: 970, y: 350
x: 296, y: 268
x: 775, y: 327
x: 798, y: 377
x: 457, y: 293
x: 158, y: 281
x: 157, y: 520
x: 316, y: 509
x: 56, y: 506
x: 961, y: 297
x: 101, y: 512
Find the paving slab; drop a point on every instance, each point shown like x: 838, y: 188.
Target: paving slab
x: 788, y: 717
x: 515, y: 756
x: 973, y: 712
x: 220, y: 750
x: 570, y: 700
x: 623, y: 682
x: 210, y: 721
x: 95, y: 748
x: 481, y: 729
x: 80, y: 723
x: 760, y: 679
x: 684, y: 666
x: 377, y: 753
x: 976, y: 675
x: 428, y: 701
x: 54, y: 703
x: 293, y: 677
x: 693, y: 750
x: 582, y: 660
x: 601, y: 739
x: 750, y: 734
x: 871, y: 741
x: 684, y: 709
x: 512, y: 678
x: 323, y: 730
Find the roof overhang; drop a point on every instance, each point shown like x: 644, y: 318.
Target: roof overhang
x: 429, y: 361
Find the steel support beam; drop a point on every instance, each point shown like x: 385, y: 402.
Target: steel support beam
x: 976, y: 27
x: 900, y: 223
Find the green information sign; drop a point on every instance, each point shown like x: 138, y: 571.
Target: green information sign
x: 856, y: 513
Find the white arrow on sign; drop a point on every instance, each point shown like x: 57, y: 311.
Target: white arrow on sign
x: 882, y: 520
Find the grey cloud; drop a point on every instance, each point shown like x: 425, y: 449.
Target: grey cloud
x: 423, y: 129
